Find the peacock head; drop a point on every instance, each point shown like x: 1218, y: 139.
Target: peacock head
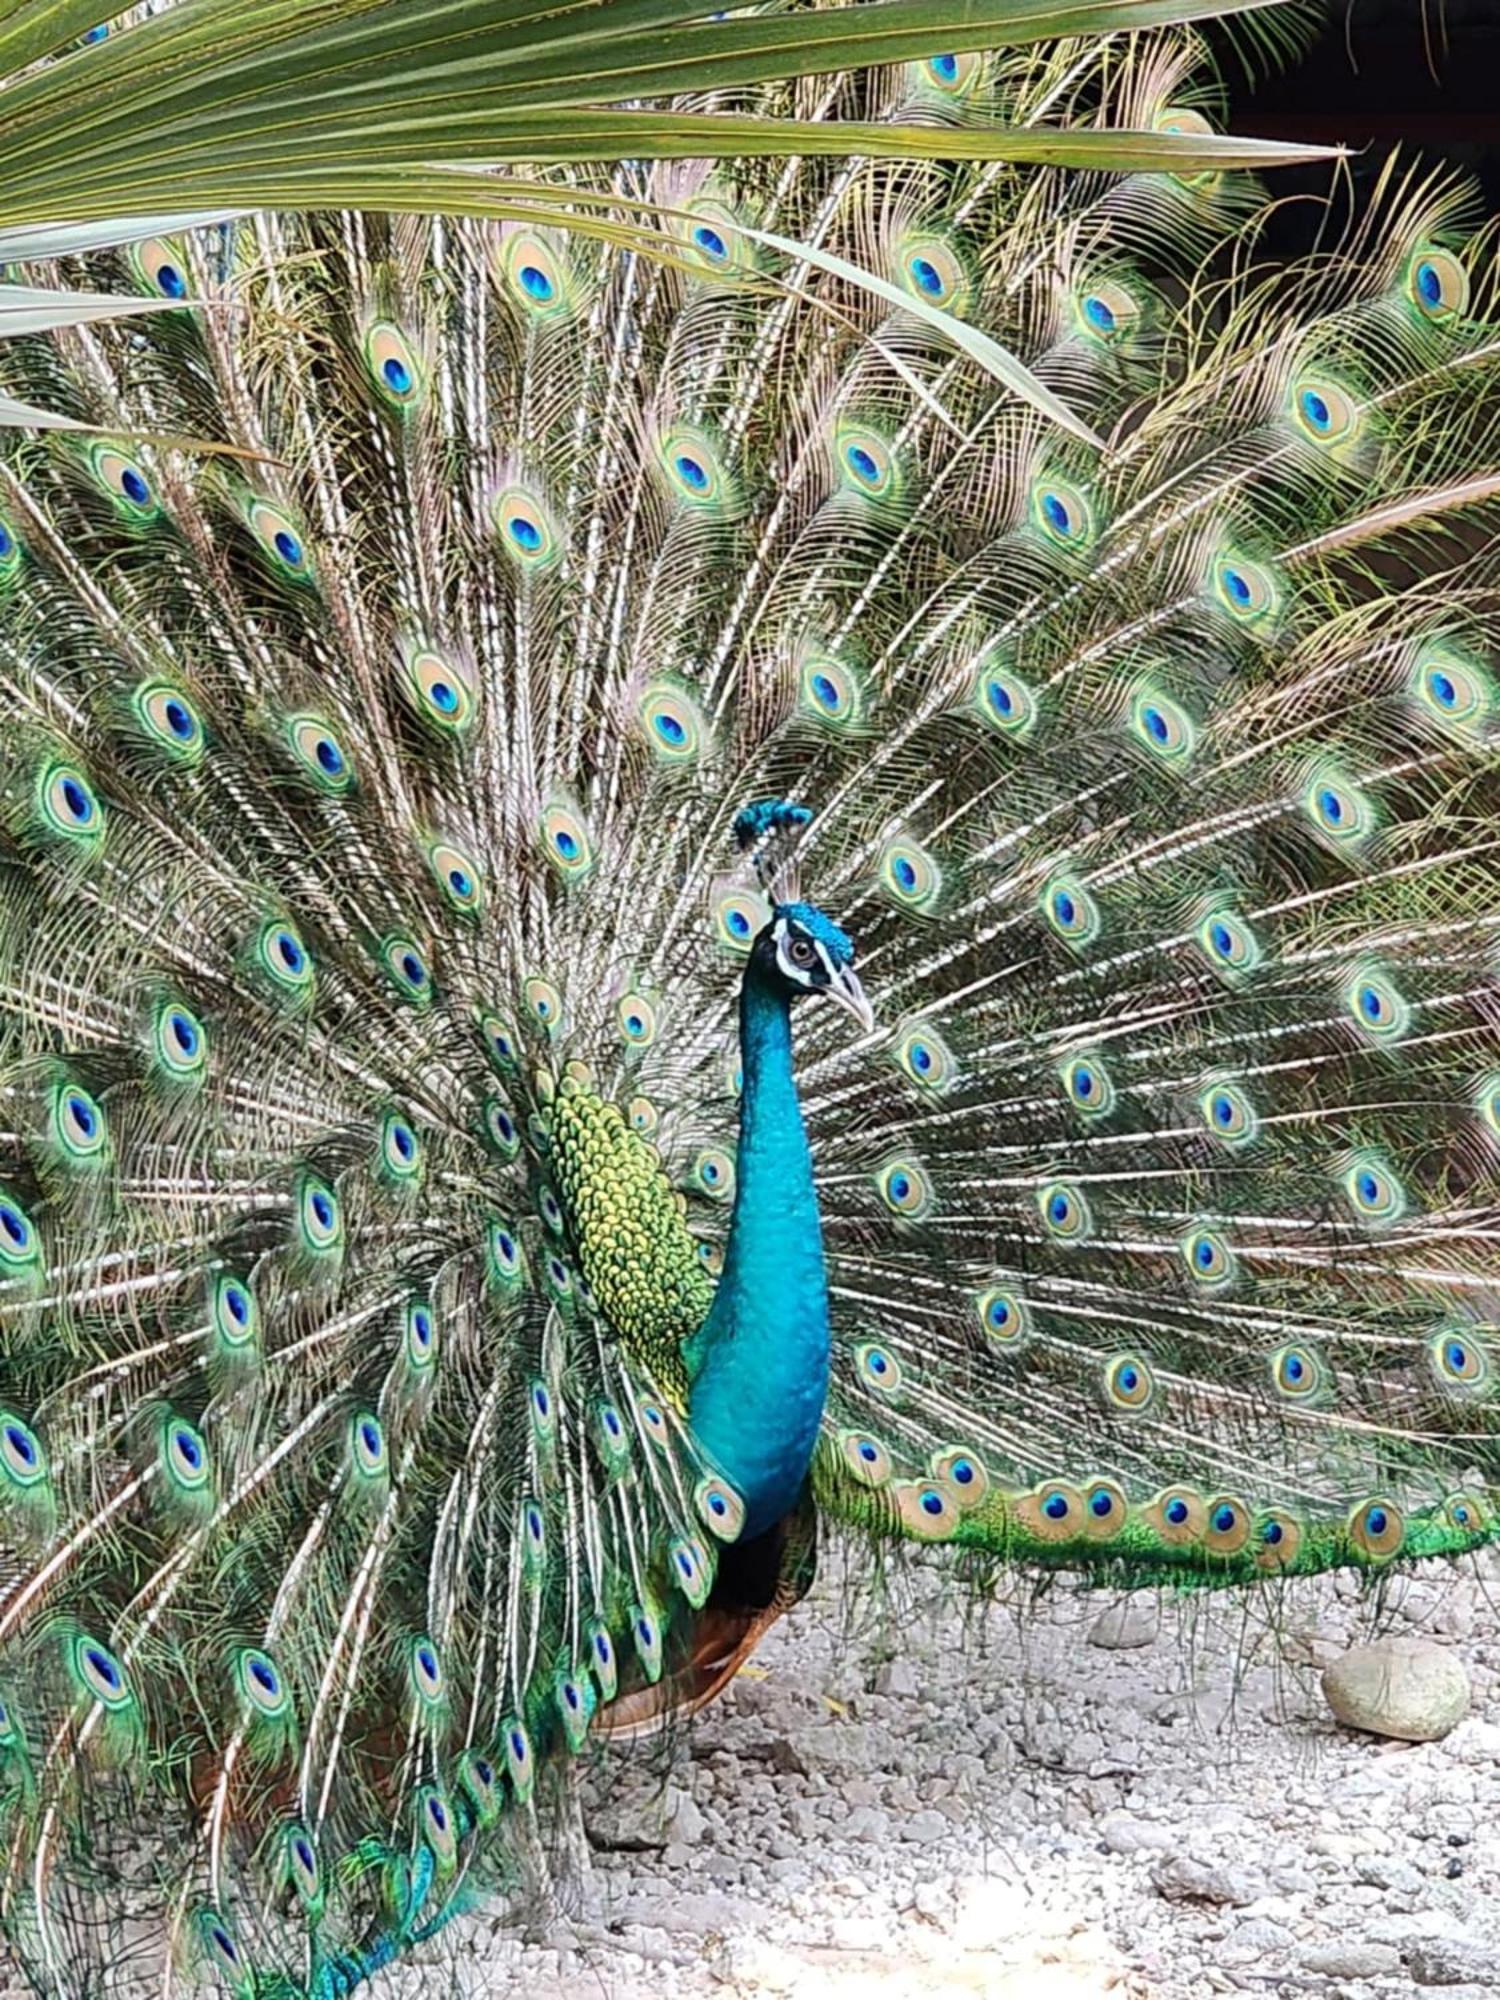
x: 803, y: 951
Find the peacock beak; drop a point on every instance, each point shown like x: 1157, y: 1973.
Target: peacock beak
x: 846, y: 989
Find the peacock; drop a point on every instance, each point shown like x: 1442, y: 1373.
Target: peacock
x: 651, y: 919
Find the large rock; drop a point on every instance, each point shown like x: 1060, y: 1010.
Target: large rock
x: 1407, y: 1688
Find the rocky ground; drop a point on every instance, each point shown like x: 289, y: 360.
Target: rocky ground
x: 1047, y: 1801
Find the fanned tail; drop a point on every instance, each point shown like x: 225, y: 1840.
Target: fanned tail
x: 370, y: 929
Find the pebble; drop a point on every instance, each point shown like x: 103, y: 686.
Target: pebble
x: 1012, y: 1809
x: 1407, y: 1688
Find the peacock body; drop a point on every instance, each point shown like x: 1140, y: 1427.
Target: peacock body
x: 436, y: 1299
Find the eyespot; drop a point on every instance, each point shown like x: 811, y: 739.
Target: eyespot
x: 929, y: 1511
x: 1063, y: 514
x: 1209, y: 1259
x: 1460, y: 1361
x: 11, y: 552
x: 18, y: 1239
x: 1004, y: 1317
x: 909, y: 875
x: 1298, y: 1373
x: 1052, y: 1512
x: 319, y: 1215
x: 603, y: 1664
x: 159, y: 266
x: 184, y: 1456
x: 612, y: 1436
x: 1128, y: 1382
x: 654, y: 1424
x: 830, y: 692
x: 1230, y: 946
x: 865, y: 1458
x: 503, y: 1251
x: 500, y: 1043
x: 1276, y: 1538
x: 962, y: 1475
x: 435, y: 1820
x: 693, y: 470
x: 636, y: 1019
x: 235, y: 1313
x: 690, y: 1569
x: 877, y: 1368
x: 481, y: 1783
x: 923, y: 1057
x: 1453, y: 691
x: 408, y: 970
x: 544, y: 1003
x: 421, y: 1334
x: 1375, y: 1006
x: 439, y: 689
x: 68, y: 804
x: 1191, y: 124
x: 673, y: 725
x: 934, y: 270
x: 565, y: 843
x: 550, y: 1209
x: 1064, y: 1212
x: 125, y: 480
x: 1070, y: 911
x: 1339, y: 811
x: 321, y: 755
x: 574, y: 1699
x: 520, y: 1766
x: 1372, y: 1190
x: 1467, y: 1513
x: 1245, y: 590
x: 1229, y: 1115
x: 1178, y: 1516
x: 169, y: 720
x: 279, y: 540
x: 367, y: 1447
x: 645, y: 1633
x: 739, y: 918
x: 23, y: 1462
x: 642, y: 1116
x: 261, y: 1686
x: 302, y: 1872
x: 952, y: 76
x: 719, y: 1507
x: 1324, y: 412
x: 1107, y: 312
x: 525, y: 527
x: 713, y: 241
x: 458, y: 876
x: 1162, y: 726
x: 865, y: 463
x: 713, y: 1173
x: 904, y: 1188
x: 222, y: 1954
x: 1227, y: 1529
x: 501, y: 1129
x: 1005, y: 701
x: 1377, y: 1530
x: 1088, y: 1087
x: 400, y: 1148
x: 78, y: 1125
x: 536, y: 276
x: 391, y: 361
x: 101, y: 1674
x: 1437, y: 284
x: 284, y: 956
x: 533, y: 1541
x: 1104, y: 1511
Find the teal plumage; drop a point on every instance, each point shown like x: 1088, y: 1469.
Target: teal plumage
x: 374, y: 1131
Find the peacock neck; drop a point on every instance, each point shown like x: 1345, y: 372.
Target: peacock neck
x: 760, y: 1362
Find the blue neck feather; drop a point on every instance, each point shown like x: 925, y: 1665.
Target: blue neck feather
x: 760, y: 1361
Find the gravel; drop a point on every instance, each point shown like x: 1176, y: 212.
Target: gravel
x: 1018, y: 1806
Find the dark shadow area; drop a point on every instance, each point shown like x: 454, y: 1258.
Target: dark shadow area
x: 1423, y: 75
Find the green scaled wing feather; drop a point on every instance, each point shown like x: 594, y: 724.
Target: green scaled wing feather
x: 370, y: 932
